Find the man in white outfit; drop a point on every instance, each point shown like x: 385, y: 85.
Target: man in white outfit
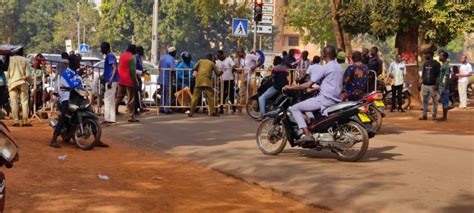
x: 110, y: 79
x: 465, y: 70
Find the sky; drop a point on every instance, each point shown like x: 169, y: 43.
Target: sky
x: 97, y: 2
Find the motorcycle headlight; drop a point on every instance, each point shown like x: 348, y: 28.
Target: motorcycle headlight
x: 8, y: 150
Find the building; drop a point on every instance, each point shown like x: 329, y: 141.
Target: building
x: 288, y: 37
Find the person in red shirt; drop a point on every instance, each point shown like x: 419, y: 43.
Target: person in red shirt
x: 128, y: 82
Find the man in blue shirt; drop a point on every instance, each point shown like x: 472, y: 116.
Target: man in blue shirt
x: 184, y: 70
x: 331, y: 77
x: 167, y: 64
x: 139, y: 68
x: 110, y: 79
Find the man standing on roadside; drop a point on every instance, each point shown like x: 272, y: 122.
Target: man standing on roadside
x: 203, y: 71
x: 304, y: 64
x: 110, y: 79
x: 227, y: 66
x: 167, y: 64
x: 375, y: 64
x: 465, y: 70
x: 18, y: 76
x: 248, y: 62
x: 139, y: 65
x: 443, y: 84
x: 365, y: 56
x: 397, y: 72
x: 430, y: 79
x: 128, y: 81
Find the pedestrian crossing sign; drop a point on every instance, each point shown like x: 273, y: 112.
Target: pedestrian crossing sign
x: 84, y: 48
x: 240, y: 27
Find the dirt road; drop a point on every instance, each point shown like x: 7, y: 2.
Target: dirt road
x: 411, y: 165
x: 139, y: 181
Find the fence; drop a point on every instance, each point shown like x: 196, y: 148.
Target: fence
x: 172, y: 91
x: 45, y: 85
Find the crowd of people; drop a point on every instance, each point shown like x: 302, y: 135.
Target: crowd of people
x: 339, y: 78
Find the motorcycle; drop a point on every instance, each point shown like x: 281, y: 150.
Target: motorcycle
x: 83, y: 127
x: 9, y: 154
x: 406, y: 96
x: 252, y: 106
x: 340, y: 131
x: 376, y: 110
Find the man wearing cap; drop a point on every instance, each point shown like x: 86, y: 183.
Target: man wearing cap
x: 167, y: 64
x: 341, y: 59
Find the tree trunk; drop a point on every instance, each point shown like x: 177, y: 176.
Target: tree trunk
x: 407, y: 44
x: 347, y: 43
x: 335, y: 24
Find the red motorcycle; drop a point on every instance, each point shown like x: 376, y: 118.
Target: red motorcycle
x: 376, y: 110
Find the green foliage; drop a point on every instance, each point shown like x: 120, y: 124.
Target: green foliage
x: 457, y: 44
x: 313, y: 20
x: 198, y: 26
x: 439, y: 21
x: 65, y: 27
x: 36, y: 25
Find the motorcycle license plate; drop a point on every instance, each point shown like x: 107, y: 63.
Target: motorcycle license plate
x: 379, y: 103
x: 364, y: 118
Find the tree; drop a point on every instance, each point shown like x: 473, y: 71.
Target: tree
x: 429, y: 23
x: 65, y: 27
x: 37, y: 26
x: 312, y: 20
x: 10, y: 11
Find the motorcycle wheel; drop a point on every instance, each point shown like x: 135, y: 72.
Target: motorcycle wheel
x: 406, y: 101
x: 349, y: 135
x: 252, y: 108
x: 88, y: 139
x: 271, y: 139
x: 376, y: 117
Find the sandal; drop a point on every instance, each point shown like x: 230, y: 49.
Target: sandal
x: 133, y: 121
x: 16, y: 125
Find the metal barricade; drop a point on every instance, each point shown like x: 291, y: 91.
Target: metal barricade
x: 46, y: 82
x: 175, y: 89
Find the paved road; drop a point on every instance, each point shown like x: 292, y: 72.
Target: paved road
x: 403, y: 170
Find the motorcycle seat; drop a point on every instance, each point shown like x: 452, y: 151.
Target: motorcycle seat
x: 340, y: 106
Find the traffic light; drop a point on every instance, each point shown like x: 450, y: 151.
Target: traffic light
x: 258, y: 10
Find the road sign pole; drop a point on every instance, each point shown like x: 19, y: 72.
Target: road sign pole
x: 78, y: 17
x: 154, y: 36
x: 254, y: 28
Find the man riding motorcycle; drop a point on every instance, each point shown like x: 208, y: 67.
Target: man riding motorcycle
x: 330, y: 78
x: 69, y: 79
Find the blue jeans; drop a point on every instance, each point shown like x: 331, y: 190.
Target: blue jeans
x: 165, y: 99
x: 264, y: 97
x: 444, y: 98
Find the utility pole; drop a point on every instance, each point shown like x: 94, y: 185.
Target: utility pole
x: 254, y: 27
x: 154, y: 36
x: 78, y: 18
